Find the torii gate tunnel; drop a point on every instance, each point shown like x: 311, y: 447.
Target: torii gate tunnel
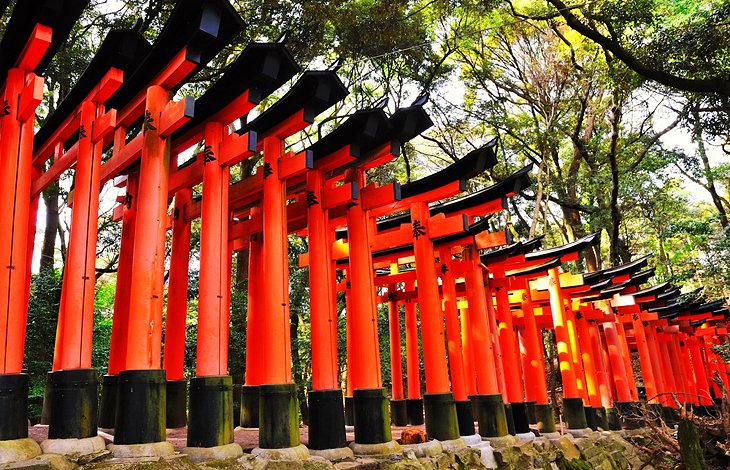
x: 478, y: 300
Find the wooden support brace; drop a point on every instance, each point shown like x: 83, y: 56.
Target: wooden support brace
x: 122, y: 159
x: 61, y: 163
x: 30, y: 97
x: 36, y: 47
x: 291, y: 166
x: 372, y: 196
x: 339, y: 195
x: 175, y: 114
x: 235, y: 148
x: 104, y: 125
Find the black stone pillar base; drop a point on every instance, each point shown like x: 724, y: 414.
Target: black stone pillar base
x: 601, y: 417
x: 211, y: 411
x: 590, y: 418
x: 73, y: 404
x: 349, y: 411
x: 510, y: 419
x: 250, y: 406
x: 490, y: 414
x: 372, y: 417
x: 701, y: 410
x: 176, y: 408
x: 531, y: 416
x: 671, y: 415
x: 441, y: 420
x: 519, y: 416
x: 465, y: 415
x: 399, y: 412
x: 415, y: 411
x: 237, y: 405
x: 13, y: 406
x: 108, y: 401
x: 326, y: 420
x: 574, y: 412
x: 278, y: 416
x: 630, y: 413
x: 46, y: 411
x: 545, y: 418
x: 141, y: 407
x: 614, y: 423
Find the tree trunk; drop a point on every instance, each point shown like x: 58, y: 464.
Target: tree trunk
x: 48, y: 249
x: 615, y: 226
x: 690, y: 447
x: 702, y: 152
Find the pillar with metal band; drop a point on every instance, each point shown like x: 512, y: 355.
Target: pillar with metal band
x: 488, y: 404
x: 177, y: 312
x: 441, y: 420
x: 456, y: 354
x: 327, y: 419
x: 16, y: 147
x: 253, y: 379
x: 211, y: 390
x: 573, y: 403
x: 534, y: 370
x: 513, y: 381
x: 398, y: 408
x: 73, y: 401
x: 372, y: 420
x: 413, y: 372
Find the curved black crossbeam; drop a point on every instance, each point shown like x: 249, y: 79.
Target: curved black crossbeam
x: 205, y: 27
x: 654, y: 290
x: 538, y: 270
x: 513, y: 184
x: 515, y: 249
x: 563, y: 250
x: 260, y: 69
x: 471, y: 165
x: 707, y: 307
x: 314, y: 92
x: 358, y: 131
x: 628, y: 268
x: 59, y: 15
x: 641, y: 277
x: 122, y: 49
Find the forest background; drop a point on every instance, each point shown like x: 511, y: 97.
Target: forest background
x: 621, y: 106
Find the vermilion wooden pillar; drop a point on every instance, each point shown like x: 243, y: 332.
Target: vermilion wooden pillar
x: 454, y: 345
x: 626, y: 355
x: 703, y: 389
x: 647, y: 369
x: 494, y: 340
x: 72, y: 358
x: 656, y: 363
x: 213, y: 314
x: 16, y: 172
x: 327, y: 422
x: 76, y: 314
x: 253, y: 377
x: 470, y: 372
x: 211, y: 390
x: 507, y: 339
x: 177, y: 305
x: 600, y: 365
x: 177, y: 312
x: 441, y: 420
x: 118, y: 345
x: 120, y: 318
x: 534, y: 367
x: 364, y: 366
x: 142, y: 374
x: 398, y: 407
x: 572, y: 401
x: 413, y: 372
x: 488, y: 403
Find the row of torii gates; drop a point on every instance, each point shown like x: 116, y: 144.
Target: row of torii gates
x: 483, y: 300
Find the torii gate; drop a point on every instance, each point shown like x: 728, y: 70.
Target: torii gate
x: 33, y: 34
